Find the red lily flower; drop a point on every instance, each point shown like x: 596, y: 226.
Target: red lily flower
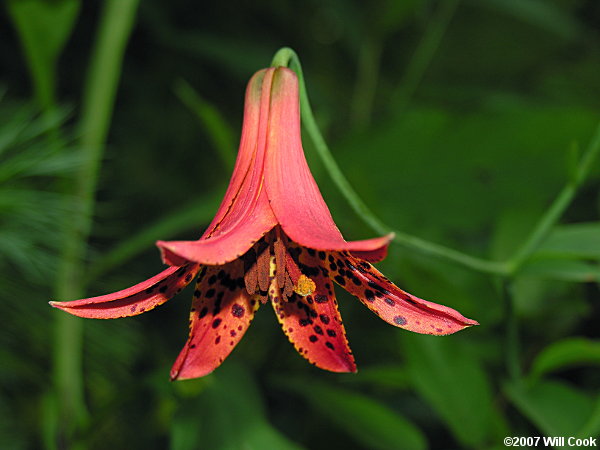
x: 273, y: 238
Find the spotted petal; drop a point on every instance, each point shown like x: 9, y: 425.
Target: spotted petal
x: 220, y: 315
x: 391, y: 303
x: 313, y: 324
x: 134, y: 300
x: 294, y: 195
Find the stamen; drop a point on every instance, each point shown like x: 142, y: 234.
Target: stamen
x: 263, y: 267
x: 280, y: 251
x: 250, y: 272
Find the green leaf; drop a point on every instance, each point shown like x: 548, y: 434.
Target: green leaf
x: 370, y: 422
x: 216, y: 127
x: 228, y: 414
x: 454, y: 384
x: 44, y: 27
x: 580, y: 240
x: 562, y: 269
x: 565, y: 354
x: 556, y: 408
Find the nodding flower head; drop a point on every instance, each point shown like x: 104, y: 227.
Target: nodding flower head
x: 272, y: 239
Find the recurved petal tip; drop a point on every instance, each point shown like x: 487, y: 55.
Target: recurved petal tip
x: 134, y: 300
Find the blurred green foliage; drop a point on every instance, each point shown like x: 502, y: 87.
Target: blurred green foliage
x: 458, y: 122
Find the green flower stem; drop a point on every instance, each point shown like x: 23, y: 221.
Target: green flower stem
x: 558, y: 207
x: 115, y: 27
x: 287, y: 57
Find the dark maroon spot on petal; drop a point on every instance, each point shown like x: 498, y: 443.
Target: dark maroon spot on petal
x: 439, y: 330
x: 340, y: 280
x: 221, y: 274
x: 389, y: 301
x: 188, y: 277
x: 322, y: 256
x: 324, y: 318
x: 399, y: 320
x: 311, y: 252
x: 374, y: 285
x: 321, y: 298
x: 329, y: 345
x: 212, y: 279
x: 369, y: 296
x: 210, y: 293
x: 237, y: 310
x: 150, y: 289
x: 232, y: 333
x: 193, y: 346
x: 240, y: 328
x: 216, y: 322
x: 218, y: 339
x: 331, y: 333
x: 318, y: 329
x: 133, y: 308
x: 313, y: 338
x: 163, y: 288
x: 304, y: 322
x: 197, y: 293
x: 410, y: 300
x: 142, y: 310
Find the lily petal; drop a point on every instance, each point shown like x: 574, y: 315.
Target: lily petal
x: 313, y: 324
x: 392, y: 304
x: 379, y: 253
x: 294, y: 195
x: 244, y: 215
x: 221, y: 313
x: 247, y: 149
x: 134, y: 300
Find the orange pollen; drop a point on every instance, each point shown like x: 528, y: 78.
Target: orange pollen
x: 304, y: 286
